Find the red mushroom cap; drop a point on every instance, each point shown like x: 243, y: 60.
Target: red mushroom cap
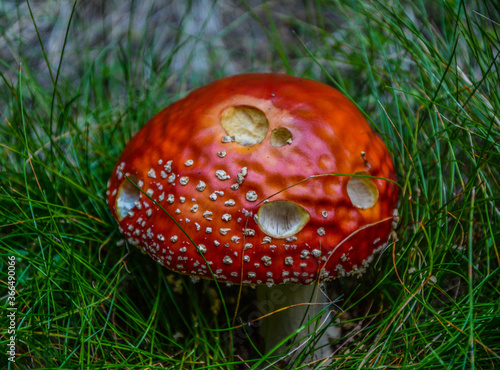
x: 275, y: 178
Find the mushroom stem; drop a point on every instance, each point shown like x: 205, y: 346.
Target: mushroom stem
x: 297, y: 305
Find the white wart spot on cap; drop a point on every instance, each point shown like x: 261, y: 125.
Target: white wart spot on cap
x: 251, y: 196
x: 168, y: 166
x: 224, y: 231
x: 266, y: 260
x: 249, y: 232
x: 201, y: 186
x: 188, y: 163
x: 221, y: 175
x: 240, y: 178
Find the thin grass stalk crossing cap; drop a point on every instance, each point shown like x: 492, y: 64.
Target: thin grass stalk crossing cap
x: 275, y: 179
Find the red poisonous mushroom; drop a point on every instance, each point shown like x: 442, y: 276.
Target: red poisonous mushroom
x: 276, y: 179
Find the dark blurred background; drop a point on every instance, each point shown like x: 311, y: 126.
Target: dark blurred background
x: 193, y: 39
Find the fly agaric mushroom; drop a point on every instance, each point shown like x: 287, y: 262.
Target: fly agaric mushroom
x: 276, y: 180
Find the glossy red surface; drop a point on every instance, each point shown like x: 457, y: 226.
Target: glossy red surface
x: 331, y: 138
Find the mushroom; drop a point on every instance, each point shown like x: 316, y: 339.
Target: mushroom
x: 274, y: 180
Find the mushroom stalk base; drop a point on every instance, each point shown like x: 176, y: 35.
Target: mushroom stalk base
x: 298, y: 304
